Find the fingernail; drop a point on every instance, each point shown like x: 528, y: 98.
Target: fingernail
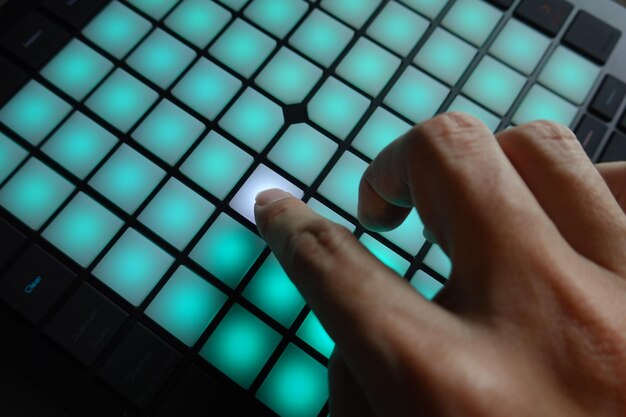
x: 267, y: 197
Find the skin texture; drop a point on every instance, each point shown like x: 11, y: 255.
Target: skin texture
x: 532, y: 321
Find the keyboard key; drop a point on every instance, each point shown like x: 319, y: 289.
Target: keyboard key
x: 541, y: 104
x: 240, y: 346
x: 609, y: 98
x: 337, y: 108
x: 312, y: 332
x: 186, y: 305
x: 426, y: 285
x: 154, y: 9
x: 546, y: 15
x: 464, y: 105
x: 235, y: 5
x: 228, y: 250
x: 429, y: 8
x: 176, y: 213
x: 140, y: 365
x: 86, y: 324
x: 438, y: 261
x: 12, y: 240
x: 331, y: 215
x: 207, y: 88
x: 590, y: 133
x: 276, y: 16
x: 353, y: 12
x: 416, y: 95
x: 34, y: 112
x: 168, y: 132
x: 83, y: 229
x: 321, y: 38
x: 261, y: 179
x: 12, y: 79
x: 445, y: 56
x: 122, y: 100
x: 133, y: 266
x: 520, y: 46
x: 198, y: 21
x: 473, y: 20
x: 35, y: 283
x: 398, y: 28
x: 380, y: 130
x: 494, y: 85
x: 404, y: 236
x: 341, y: 185
x: 597, y: 47
x: 297, y: 386
x: 569, y: 75
x: 76, y: 12
x: 127, y: 178
x: 385, y: 255
x: 34, y: 193
x: 11, y: 155
x: 117, y: 29
x: 616, y: 149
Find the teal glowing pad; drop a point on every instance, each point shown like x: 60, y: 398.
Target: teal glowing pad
x: 329, y: 214
x: 445, y: 56
x: 234, y: 4
x: 353, y: 12
x: 186, y: 305
x: 77, y: 69
x: 240, y: 346
x: 11, y: 155
x: 127, y: 178
x: 276, y: 16
x: 34, y: 112
x: 121, y: 100
x: 228, y: 250
x: 429, y: 8
x: 385, y: 255
x: 83, y: 229
x: 462, y: 104
x: 133, y: 267
x: 341, y: 186
x: 79, y: 145
x: 398, y: 28
x: 541, y: 104
x: 168, y: 132
x: 426, y: 285
x: 154, y: 8
x: 407, y: 236
x: 437, y: 260
x: 198, y: 21
x: 312, y: 332
x: 520, y: 46
x: 473, y: 20
x: 380, y: 130
x: 34, y: 193
x: 297, y: 386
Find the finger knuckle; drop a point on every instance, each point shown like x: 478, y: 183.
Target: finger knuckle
x: 548, y: 130
x: 276, y: 210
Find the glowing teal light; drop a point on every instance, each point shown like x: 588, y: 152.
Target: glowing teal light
x: 228, y: 250
x: 313, y: 333
x: 321, y: 38
x: 198, y: 21
x: 473, y: 20
x: 34, y: 193
x: 445, y: 56
x: 353, y: 12
x: 154, y: 8
x: 176, y: 213
x: 541, y: 104
x: 426, y: 285
x: 341, y: 186
x: 380, y: 130
x: 207, y: 88
x: 398, y: 28
x: 276, y: 16
x: 83, y: 229
x: 464, y: 105
x: 122, y: 100
x: 329, y: 214
x: 168, y: 132
x: 242, y: 47
x: 240, y: 346
x: 337, y: 108
x: 385, y: 255
x: 253, y: 119
x: 79, y: 145
x: 288, y: 77
x: 429, y: 8
x: 234, y: 4
x: 127, y: 178
x: 408, y: 236
x: 11, y: 155
x: 186, y: 305
x: 520, y: 46
x: 416, y: 95
x: 437, y: 260
x: 33, y: 112
x: 297, y: 386
x: 117, y: 29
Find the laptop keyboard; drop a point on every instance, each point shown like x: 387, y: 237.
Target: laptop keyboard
x: 135, y: 134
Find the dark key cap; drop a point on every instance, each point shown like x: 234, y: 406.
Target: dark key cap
x: 592, y: 37
x: 622, y: 123
x: 545, y: 15
x: 590, y: 133
x: 609, y: 98
x: 86, y: 323
x: 11, y: 80
x: 503, y: 4
x: 35, y: 283
x: 75, y: 12
x: 616, y: 150
x: 140, y: 365
x: 10, y: 241
x: 35, y: 40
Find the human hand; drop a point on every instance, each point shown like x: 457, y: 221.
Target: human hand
x: 533, y: 319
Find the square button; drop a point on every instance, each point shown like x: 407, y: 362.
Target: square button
x: 289, y: 77
x: 79, y: 145
x: 242, y: 48
x: 176, y: 213
x: 321, y: 38
x: 127, y: 178
x: 353, y: 12
x: 121, y: 100
x: 161, y: 58
x: 198, y: 21
x: 34, y: 112
x: 329, y: 214
x: 520, y: 46
x: 34, y: 193
x: 385, y: 255
x: 276, y: 16
x: 429, y: 8
x: 438, y: 261
x: 207, y: 88
x: 168, y: 132
x: 117, y: 29
x: 253, y: 119
x: 133, y: 267
x: 464, y: 105
x: 541, y: 104
x: 416, y: 95
x: 228, y: 250
x: 313, y: 333
x: 407, y: 236
x: 445, y: 56
x: 303, y: 152
x: 473, y: 20
x: 83, y: 229
x: 380, y: 130
x: 240, y: 346
x: 154, y: 8
x: 11, y: 155
x: 426, y: 285
x: 341, y: 186
x: 337, y: 108
x: 77, y: 69
x: 217, y: 165
x: 186, y: 305
x: 398, y: 28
